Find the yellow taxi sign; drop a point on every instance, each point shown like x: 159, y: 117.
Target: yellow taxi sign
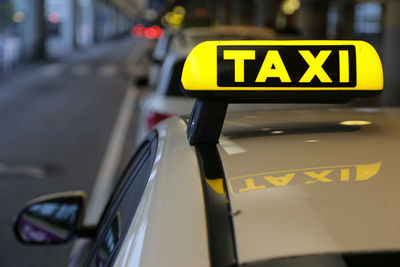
x: 277, y: 69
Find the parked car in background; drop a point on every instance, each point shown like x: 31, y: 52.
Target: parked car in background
x: 165, y: 98
x: 157, y: 58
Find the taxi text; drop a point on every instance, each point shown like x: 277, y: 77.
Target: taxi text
x: 348, y: 173
x: 286, y: 66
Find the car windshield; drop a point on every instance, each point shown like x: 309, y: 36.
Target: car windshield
x: 335, y: 260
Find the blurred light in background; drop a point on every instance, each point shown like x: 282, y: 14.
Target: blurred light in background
x: 290, y: 6
x: 138, y: 30
x: 53, y: 17
x: 180, y: 10
x: 152, y: 32
x: 200, y: 12
x: 174, y: 18
x: 149, y: 33
x: 18, y: 17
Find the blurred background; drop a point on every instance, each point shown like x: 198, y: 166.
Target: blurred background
x: 74, y: 75
x: 42, y: 29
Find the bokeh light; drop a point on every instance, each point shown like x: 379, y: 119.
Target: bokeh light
x: 53, y: 17
x: 18, y: 17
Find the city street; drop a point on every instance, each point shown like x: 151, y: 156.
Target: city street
x: 57, y: 121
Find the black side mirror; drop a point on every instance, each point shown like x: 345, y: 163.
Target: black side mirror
x: 54, y: 218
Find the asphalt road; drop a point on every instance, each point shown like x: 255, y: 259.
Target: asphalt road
x: 55, y: 123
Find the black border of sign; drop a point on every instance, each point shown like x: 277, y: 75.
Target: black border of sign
x: 287, y: 49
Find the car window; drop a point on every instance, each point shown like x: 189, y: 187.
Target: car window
x: 109, y: 242
x: 123, y: 203
x: 174, y: 87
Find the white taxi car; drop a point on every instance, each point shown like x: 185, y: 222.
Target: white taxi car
x: 300, y: 187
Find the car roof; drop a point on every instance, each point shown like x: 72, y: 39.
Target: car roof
x: 183, y: 42
x: 196, y: 34
x: 308, y: 181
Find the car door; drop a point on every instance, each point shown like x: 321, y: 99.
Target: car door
x: 122, y: 205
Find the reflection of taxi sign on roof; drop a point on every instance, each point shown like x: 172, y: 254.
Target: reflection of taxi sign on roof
x: 331, y: 174
x: 281, y: 71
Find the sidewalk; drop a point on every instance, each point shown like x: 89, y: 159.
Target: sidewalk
x: 30, y: 70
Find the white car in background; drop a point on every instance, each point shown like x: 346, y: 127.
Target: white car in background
x: 157, y: 58
x: 166, y: 99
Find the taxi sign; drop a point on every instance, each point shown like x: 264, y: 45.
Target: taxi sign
x: 221, y: 72
x: 290, y: 71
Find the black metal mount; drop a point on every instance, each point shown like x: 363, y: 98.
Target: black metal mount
x: 206, y: 120
x: 208, y: 113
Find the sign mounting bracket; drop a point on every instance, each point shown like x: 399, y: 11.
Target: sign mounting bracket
x: 206, y: 120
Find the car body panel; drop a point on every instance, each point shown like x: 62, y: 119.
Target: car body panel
x: 181, y: 106
x: 301, y: 183
x: 169, y: 228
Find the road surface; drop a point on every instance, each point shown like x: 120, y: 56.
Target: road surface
x: 57, y: 121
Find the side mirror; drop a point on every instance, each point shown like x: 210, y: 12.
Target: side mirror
x: 50, y: 219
